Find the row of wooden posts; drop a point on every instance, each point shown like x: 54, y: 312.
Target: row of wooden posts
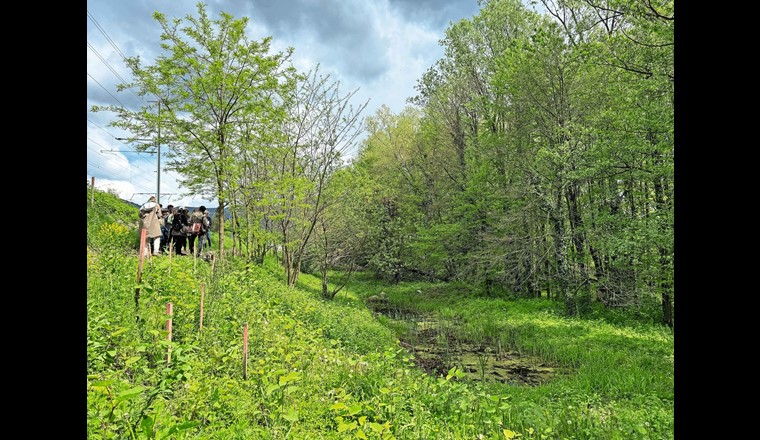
x: 170, y: 310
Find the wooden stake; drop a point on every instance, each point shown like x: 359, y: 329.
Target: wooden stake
x: 92, y: 192
x: 171, y: 248
x: 245, y: 351
x: 169, y: 329
x: 140, y: 267
x: 203, y: 291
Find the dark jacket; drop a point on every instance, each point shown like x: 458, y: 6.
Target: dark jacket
x: 180, y: 220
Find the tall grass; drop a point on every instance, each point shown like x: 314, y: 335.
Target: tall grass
x: 330, y: 369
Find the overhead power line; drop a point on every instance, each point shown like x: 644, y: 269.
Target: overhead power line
x: 133, y: 166
x: 130, y: 169
x: 116, y: 74
x: 101, y: 86
x: 116, y: 48
x: 102, y: 31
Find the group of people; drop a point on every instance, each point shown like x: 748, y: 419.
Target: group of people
x: 174, y: 229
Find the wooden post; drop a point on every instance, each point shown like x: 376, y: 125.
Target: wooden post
x: 213, y: 262
x: 245, y: 351
x: 203, y: 291
x: 171, y: 249
x: 92, y: 192
x: 195, y: 251
x: 169, y: 329
x: 139, y: 268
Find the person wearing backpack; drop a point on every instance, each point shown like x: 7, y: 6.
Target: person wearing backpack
x: 198, y: 227
x: 179, y: 229
x: 151, y: 220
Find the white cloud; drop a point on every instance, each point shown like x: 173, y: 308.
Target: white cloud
x: 379, y: 47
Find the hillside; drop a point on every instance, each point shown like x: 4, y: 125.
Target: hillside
x: 248, y: 357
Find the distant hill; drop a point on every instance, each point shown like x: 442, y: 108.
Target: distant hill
x: 128, y: 202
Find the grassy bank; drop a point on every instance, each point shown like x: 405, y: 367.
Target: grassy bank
x: 333, y: 370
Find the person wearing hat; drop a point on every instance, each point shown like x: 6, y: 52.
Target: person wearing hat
x: 151, y: 220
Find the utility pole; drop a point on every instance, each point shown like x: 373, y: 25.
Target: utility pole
x: 158, y: 151
x: 158, y: 160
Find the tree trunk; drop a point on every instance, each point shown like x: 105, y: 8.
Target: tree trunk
x: 577, y: 232
x: 665, y: 266
x: 222, y: 205
x: 560, y: 253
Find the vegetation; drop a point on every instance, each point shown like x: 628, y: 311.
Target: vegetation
x: 521, y: 210
x: 329, y: 369
x: 537, y: 160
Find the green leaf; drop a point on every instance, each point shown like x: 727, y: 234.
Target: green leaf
x: 451, y: 373
x: 509, y: 434
x: 376, y: 427
x: 289, y: 390
x: 290, y: 377
x: 338, y: 405
x: 272, y: 388
x: 118, y: 332
x: 130, y: 393
x: 346, y: 426
x: 291, y: 416
x: 179, y: 427
x: 146, y: 424
x: 361, y: 434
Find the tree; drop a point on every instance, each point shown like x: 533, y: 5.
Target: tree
x: 209, y: 80
x: 321, y: 126
x: 341, y: 233
x: 634, y: 42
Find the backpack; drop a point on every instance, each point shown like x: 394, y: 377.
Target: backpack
x: 196, y: 224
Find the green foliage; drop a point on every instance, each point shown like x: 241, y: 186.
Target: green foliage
x: 111, y: 223
x: 540, y: 159
x: 329, y: 369
x: 540, y: 162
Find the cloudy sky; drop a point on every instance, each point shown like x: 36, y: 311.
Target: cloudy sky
x: 380, y: 47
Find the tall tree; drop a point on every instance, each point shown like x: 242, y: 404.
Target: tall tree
x: 322, y: 125
x: 634, y: 42
x: 209, y: 80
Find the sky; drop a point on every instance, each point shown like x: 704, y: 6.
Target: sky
x: 378, y: 47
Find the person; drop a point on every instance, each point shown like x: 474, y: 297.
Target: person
x: 166, y: 229
x: 151, y: 220
x: 179, y: 230
x: 198, y: 217
x: 207, y: 243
